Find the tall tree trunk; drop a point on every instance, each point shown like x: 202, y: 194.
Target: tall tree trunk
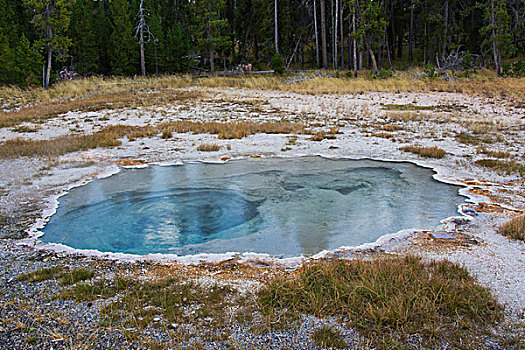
x: 210, y: 47
x: 445, y: 35
x: 49, y: 49
x: 399, y: 46
x: 156, y: 58
x: 494, y: 41
x: 425, y: 49
x: 341, y: 27
x: 355, y: 43
x: 141, y: 39
x: 256, y: 47
x: 372, y: 57
x: 388, y: 50
x: 393, y: 27
x: 142, y: 57
x: 48, y: 69
x: 276, y: 28
x: 336, y: 21
x: 411, y: 33
x: 316, y: 35
x: 323, y: 34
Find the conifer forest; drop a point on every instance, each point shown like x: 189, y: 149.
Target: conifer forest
x: 41, y: 38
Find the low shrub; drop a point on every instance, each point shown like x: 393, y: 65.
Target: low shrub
x: 277, y: 64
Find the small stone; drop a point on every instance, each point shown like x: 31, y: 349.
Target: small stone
x: 156, y: 319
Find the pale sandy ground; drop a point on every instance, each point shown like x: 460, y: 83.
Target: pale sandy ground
x: 28, y: 186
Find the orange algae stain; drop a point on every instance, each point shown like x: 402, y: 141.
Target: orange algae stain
x: 129, y: 162
x: 494, y: 208
x: 480, y: 192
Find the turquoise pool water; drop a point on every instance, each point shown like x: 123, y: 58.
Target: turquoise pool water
x: 280, y: 206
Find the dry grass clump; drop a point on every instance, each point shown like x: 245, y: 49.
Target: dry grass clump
x: 58, y: 146
x: 93, y: 86
x: 407, y: 107
x: 112, y: 100
x: 504, y: 166
x: 206, y: 147
x: 495, y: 154
x: 109, y: 136
x: 428, y: 152
x: 233, y: 130
x: 318, y: 136
x: 514, y: 228
x: 406, y: 116
x: 482, y: 127
x: 383, y: 135
x: 328, y: 337
x: 388, y: 300
x: 42, y: 111
x: 482, y: 84
x: 392, y: 127
x: 26, y: 129
x: 469, y: 139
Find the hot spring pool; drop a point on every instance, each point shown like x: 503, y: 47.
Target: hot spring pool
x: 280, y: 206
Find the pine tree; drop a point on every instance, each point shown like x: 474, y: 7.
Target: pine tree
x: 5, y: 60
x: 123, y: 50
x: 51, y: 18
x: 83, y: 34
x: 497, y: 31
x: 210, y: 28
x: 26, y: 64
x: 370, y: 27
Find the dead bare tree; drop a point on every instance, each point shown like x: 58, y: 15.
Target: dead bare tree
x: 276, y: 28
x: 316, y: 35
x: 323, y: 34
x: 142, y: 31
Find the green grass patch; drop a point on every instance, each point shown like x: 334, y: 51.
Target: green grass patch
x: 503, y: 166
x: 138, y: 303
x: 469, y: 139
x: 514, y: 228
x: 76, y: 275
x: 427, y: 152
x: 43, y: 274
x: 57, y: 273
x: 328, y: 337
x: 100, y: 289
x: 388, y: 298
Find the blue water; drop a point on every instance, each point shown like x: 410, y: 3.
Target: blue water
x: 283, y: 207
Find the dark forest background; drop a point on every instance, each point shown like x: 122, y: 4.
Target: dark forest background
x: 39, y: 38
